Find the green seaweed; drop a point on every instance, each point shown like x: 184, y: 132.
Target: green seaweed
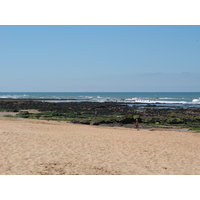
x: 191, y: 122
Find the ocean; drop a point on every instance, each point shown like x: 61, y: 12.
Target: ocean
x: 171, y: 98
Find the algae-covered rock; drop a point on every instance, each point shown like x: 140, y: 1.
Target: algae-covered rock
x: 23, y: 114
x: 175, y: 121
x: 81, y: 122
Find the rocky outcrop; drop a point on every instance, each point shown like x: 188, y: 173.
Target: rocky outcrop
x: 90, y: 107
x: 106, y: 108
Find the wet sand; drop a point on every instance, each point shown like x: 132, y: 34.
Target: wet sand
x: 50, y: 147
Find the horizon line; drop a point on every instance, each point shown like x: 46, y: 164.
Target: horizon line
x: 104, y: 92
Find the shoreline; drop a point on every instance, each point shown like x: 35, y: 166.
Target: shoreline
x: 122, y: 101
x: 130, y: 126
x: 109, y: 113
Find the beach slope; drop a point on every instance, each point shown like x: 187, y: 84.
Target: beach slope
x: 57, y: 148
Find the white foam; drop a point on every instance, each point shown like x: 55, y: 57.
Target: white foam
x: 13, y: 96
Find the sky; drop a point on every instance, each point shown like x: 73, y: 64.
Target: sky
x: 100, y: 58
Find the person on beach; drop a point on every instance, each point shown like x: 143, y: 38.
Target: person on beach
x: 136, y: 125
x: 95, y: 113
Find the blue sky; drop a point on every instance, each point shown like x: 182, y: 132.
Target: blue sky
x: 99, y: 58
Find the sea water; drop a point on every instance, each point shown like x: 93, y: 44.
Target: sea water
x: 171, y: 98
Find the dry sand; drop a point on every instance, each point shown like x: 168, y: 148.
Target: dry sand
x: 2, y: 114
x: 51, y: 147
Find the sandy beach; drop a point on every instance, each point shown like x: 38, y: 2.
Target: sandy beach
x: 40, y: 147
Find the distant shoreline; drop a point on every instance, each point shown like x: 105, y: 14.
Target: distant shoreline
x: 69, y: 100
x: 171, y: 98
